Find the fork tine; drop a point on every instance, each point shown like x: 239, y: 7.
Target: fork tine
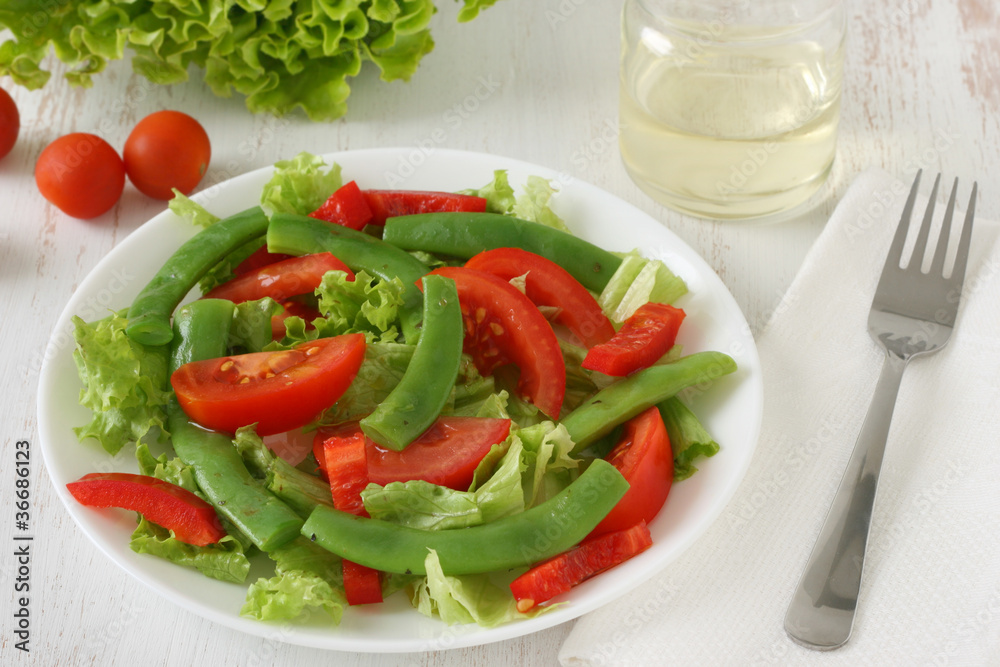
x: 958, y: 273
x: 940, y: 252
x: 916, y: 260
x: 895, y: 255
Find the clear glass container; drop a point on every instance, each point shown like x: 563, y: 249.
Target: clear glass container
x: 729, y: 109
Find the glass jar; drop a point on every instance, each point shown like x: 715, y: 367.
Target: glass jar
x: 729, y: 108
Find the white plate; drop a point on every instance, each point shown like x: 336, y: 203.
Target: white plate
x: 731, y: 410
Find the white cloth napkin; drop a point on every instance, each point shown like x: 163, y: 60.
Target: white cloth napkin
x: 931, y: 592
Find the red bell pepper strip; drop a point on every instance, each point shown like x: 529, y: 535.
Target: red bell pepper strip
x: 347, y: 469
x: 592, y: 556
x: 281, y: 280
x: 548, y: 284
x: 643, y: 339
x: 190, y: 518
x: 347, y: 206
x: 387, y: 204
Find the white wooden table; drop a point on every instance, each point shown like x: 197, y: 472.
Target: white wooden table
x: 531, y: 80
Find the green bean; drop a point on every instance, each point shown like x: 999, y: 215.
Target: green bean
x: 626, y: 398
x: 416, y: 401
x: 218, y: 468
x: 513, y: 541
x: 466, y: 234
x: 149, y: 315
x: 300, y: 235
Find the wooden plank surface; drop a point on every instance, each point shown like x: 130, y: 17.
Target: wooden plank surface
x: 531, y: 80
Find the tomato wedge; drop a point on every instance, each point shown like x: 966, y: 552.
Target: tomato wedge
x: 592, y: 556
x: 445, y: 454
x: 345, y: 461
x: 386, y: 204
x: 548, y: 284
x: 280, y: 391
x: 644, y: 458
x: 503, y: 326
x: 643, y: 339
x: 347, y: 206
x: 280, y: 280
x: 192, y: 519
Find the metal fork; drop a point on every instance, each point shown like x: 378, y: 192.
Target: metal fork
x: 912, y: 314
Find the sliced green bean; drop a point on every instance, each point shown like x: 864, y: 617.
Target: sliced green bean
x: 514, y: 541
x: 466, y: 234
x: 626, y: 398
x: 417, y: 400
x: 301, y: 235
x: 149, y: 315
x: 218, y: 468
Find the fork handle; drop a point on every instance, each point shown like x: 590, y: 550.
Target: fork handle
x: 822, y: 610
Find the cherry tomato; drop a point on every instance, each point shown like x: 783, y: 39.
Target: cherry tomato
x: 10, y: 123
x: 548, y: 284
x: 502, y: 326
x: 81, y: 174
x: 280, y: 391
x: 167, y: 149
x: 644, y: 458
x: 445, y: 454
x: 592, y: 556
x: 643, y: 339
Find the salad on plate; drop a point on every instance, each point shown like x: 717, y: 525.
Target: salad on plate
x: 445, y: 396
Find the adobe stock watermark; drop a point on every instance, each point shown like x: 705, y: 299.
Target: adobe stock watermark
x: 452, y: 119
x: 884, y: 200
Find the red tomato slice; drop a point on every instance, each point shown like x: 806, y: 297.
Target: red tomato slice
x: 280, y: 391
x: 362, y: 584
x: 192, y: 519
x: 258, y: 260
x: 502, y: 326
x: 281, y: 280
x: 445, y: 454
x: 393, y: 203
x: 548, y: 284
x: 347, y: 206
x: 592, y: 556
x: 642, y: 340
x: 644, y: 458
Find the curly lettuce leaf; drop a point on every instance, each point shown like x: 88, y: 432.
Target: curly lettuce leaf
x: 251, y: 327
x: 380, y: 372
x: 365, y: 304
x: 124, y: 383
x: 306, y: 577
x: 300, y: 185
x: 225, y: 560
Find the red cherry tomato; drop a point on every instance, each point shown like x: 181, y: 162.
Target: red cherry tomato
x: 81, y: 174
x: 280, y: 391
x: 167, y: 149
x: 10, y: 123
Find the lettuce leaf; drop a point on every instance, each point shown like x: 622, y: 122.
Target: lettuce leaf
x: 380, y: 372
x: 191, y: 211
x: 278, y: 55
x: 470, y: 598
x: 688, y: 438
x: 300, y: 185
x: 251, y: 327
x: 225, y: 560
x: 124, y: 383
x: 306, y: 577
x: 637, y: 281
x: 365, y: 304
